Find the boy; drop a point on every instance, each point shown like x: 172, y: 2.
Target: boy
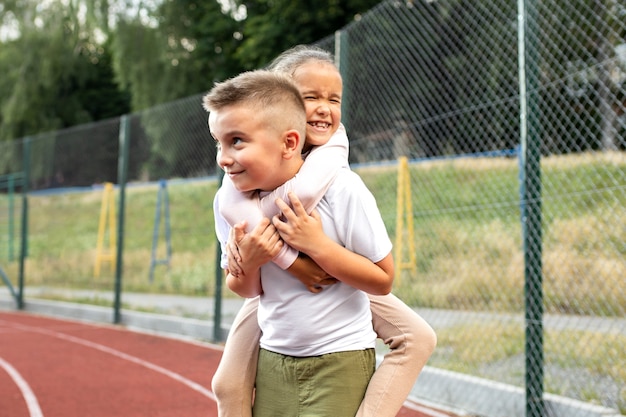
x: 322, y: 344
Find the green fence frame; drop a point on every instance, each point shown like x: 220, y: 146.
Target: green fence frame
x: 11, y: 182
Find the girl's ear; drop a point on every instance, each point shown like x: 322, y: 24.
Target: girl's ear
x: 293, y: 145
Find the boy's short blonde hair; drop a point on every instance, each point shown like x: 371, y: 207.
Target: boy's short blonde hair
x: 273, y: 94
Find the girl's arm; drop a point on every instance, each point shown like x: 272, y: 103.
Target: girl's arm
x: 304, y: 268
x: 315, y: 176
x: 258, y: 246
x: 241, y: 208
x: 310, y: 274
x: 310, y: 184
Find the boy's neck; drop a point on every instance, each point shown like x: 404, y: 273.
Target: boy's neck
x: 288, y: 171
x: 293, y: 166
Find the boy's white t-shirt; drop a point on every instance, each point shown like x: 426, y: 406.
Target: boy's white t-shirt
x: 296, y: 322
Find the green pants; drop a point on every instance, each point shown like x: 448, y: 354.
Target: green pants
x: 331, y: 385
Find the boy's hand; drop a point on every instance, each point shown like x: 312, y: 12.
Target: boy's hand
x: 253, y: 249
x: 232, y: 250
x: 300, y: 230
x: 310, y: 274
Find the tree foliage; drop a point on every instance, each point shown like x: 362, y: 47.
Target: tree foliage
x: 55, y: 74
x: 273, y: 26
x: 189, y: 45
x: 186, y: 47
x: 75, y: 61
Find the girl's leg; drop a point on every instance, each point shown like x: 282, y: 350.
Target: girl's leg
x: 233, y: 382
x: 411, y: 341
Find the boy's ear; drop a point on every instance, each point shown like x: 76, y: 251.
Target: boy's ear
x: 293, y: 145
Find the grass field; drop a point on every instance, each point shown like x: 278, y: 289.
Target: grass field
x: 467, y: 235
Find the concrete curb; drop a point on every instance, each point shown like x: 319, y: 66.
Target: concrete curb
x: 159, y: 323
x: 493, y: 399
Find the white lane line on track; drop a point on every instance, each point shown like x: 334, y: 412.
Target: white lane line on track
x: 27, y: 393
x: 193, y: 385
x: 177, y: 377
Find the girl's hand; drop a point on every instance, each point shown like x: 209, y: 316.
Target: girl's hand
x: 310, y: 274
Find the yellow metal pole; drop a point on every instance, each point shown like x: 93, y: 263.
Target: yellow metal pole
x: 404, y: 207
x: 112, y: 227
x: 408, y: 200
x: 400, y: 217
x: 107, y: 211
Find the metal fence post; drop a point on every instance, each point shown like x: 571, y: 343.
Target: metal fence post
x: 341, y: 60
x: 11, y: 191
x: 121, y: 179
x: 24, y: 239
x: 217, y: 315
x: 530, y: 154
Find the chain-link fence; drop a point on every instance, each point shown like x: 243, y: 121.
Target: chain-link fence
x: 512, y: 118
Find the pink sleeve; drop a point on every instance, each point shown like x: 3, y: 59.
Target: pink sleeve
x: 310, y: 184
x: 315, y: 176
x: 236, y: 207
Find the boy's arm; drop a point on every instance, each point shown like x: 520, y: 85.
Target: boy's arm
x: 305, y: 233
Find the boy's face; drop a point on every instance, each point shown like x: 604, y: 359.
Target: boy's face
x: 321, y: 87
x: 248, y: 150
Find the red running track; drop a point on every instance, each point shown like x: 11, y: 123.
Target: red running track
x: 60, y: 368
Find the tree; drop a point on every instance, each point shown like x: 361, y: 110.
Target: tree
x: 179, y: 51
x: 272, y: 26
x: 182, y: 47
x: 578, y: 59
x: 77, y: 61
x: 54, y: 74
x: 185, y: 47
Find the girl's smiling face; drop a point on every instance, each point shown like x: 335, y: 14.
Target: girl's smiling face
x: 321, y: 87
